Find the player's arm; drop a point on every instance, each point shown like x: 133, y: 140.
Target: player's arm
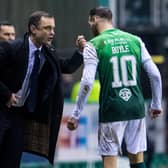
x: 155, y: 82
x: 87, y: 80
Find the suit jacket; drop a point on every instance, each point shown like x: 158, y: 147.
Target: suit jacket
x: 43, y: 125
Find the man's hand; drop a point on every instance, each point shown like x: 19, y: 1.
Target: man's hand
x: 72, y: 124
x: 80, y: 42
x: 154, y: 113
x: 13, y: 100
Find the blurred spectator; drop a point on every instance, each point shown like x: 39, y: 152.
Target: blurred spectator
x: 7, y: 31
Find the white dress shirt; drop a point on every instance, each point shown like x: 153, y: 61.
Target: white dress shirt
x: 24, y: 91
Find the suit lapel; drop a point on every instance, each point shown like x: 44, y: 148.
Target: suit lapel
x: 48, y: 76
x: 25, y: 56
x: 19, y: 61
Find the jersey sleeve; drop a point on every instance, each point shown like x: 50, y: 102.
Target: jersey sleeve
x: 144, y: 52
x: 154, y: 77
x: 87, y: 80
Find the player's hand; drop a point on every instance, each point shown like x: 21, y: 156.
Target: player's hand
x: 154, y: 113
x: 80, y: 42
x: 72, y: 124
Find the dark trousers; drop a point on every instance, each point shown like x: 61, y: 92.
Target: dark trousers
x: 11, y: 138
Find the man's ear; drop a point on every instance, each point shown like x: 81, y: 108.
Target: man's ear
x: 33, y: 29
x: 96, y: 18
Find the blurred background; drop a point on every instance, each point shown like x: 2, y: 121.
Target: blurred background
x: 145, y: 18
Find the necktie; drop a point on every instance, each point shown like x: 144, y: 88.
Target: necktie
x: 32, y: 98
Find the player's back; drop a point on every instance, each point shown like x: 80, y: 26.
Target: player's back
x: 119, y: 69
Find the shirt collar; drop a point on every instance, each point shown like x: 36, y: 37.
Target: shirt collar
x: 32, y: 47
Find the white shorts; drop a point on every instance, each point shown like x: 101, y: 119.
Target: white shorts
x: 111, y: 135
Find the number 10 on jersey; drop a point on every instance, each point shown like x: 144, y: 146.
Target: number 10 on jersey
x: 127, y: 66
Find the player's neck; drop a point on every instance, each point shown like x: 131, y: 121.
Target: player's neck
x: 104, y: 27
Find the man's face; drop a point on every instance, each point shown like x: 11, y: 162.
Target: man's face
x: 93, y: 22
x: 7, y: 33
x: 44, y: 32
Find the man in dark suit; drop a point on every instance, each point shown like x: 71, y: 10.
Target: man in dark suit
x: 30, y: 121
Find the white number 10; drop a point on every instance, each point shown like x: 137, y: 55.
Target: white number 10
x: 122, y: 63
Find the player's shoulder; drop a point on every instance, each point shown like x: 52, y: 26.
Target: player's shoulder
x: 130, y: 36
x: 96, y: 39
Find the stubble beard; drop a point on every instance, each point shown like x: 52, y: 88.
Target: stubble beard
x: 95, y: 30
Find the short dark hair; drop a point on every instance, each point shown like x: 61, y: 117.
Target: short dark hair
x: 102, y: 12
x: 5, y: 23
x: 35, y: 18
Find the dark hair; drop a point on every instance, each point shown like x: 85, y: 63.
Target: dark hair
x: 5, y: 23
x: 102, y: 12
x: 35, y: 18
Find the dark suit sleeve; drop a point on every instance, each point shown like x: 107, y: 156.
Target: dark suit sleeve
x: 71, y: 64
x: 5, y: 93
